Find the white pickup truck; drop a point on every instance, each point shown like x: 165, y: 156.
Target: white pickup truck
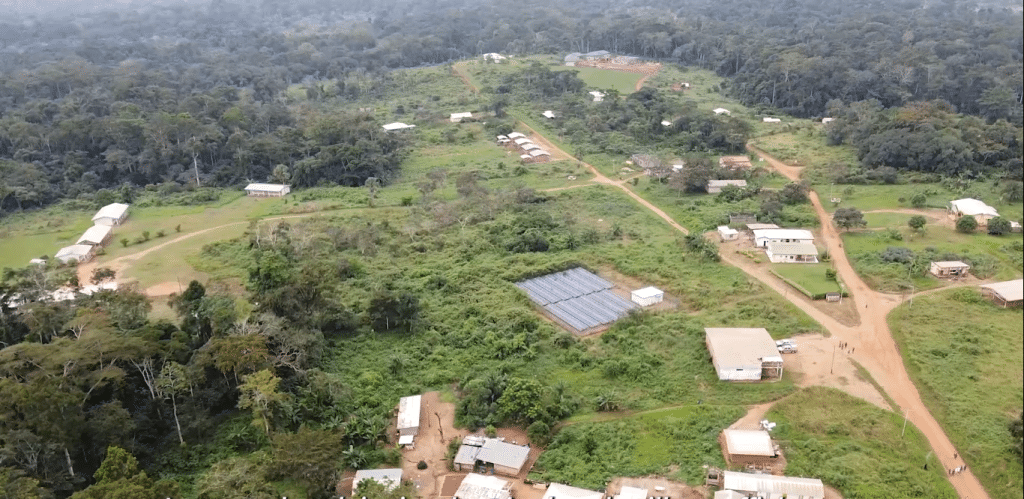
x: 786, y: 346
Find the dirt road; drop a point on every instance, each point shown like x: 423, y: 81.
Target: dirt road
x: 874, y: 347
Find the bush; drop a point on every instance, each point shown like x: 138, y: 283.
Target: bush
x: 830, y: 274
x: 999, y: 226
x: 966, y: 225
x: 918, y: 200
x: 422, y: 465
x: 124, y: 242
x: 491, y: 431
x: 145, y: 235
x: 160, y: 233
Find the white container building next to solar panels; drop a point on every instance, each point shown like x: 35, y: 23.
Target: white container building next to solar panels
x: 408, y: 422
x: 577, y: 298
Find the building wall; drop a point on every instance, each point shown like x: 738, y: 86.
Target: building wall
x: 646, y: 301
x: 409, y: 431
x: 741, y: 374
x: 110, y: 221
x: 505, y: 470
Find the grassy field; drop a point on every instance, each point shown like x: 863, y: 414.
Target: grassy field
x: 996, y: 257
x: 806, y: 148
x: 810, y: 276
x: 856, y: 447
x: 621, y: 81
x: 964, y: 354
x: 655, y: 442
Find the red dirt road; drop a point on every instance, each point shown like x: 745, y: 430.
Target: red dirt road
x: 874, y: 347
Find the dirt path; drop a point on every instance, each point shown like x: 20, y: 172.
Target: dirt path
x: 873, y: 347
x: 641, y: 81
x: 457, y: 69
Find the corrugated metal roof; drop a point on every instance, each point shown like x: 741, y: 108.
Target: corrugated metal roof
x: 577, y: 297
x: 749, y: 442
x: 559, y: 491
x: 389, y: 477
x: 792, y: 248
x: 810, y: 488
x: 409, y: 412
x: 95, y: 234
x: 113, y: 210
x: 740, y: 347
x: 761, y: 226
x: 266, y: 187
x: 970, y: 206
x: 783, y: 234
x: 950, y: 265
x: 75, y: 251
x: 1008, y: 290
x: 476, y: 486
x: 503, y: 454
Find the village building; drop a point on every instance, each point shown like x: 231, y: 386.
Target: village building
x: 598, y: 96
x: 759, y: 226
x: 559, y: 491
x: 791, y: 252
x: 503, y: 140
x: 493, y: 57
x: 519, y: 141
x: 516, y: 135
x: 37, y: 261
x: 754, y: 485
x: 77, y: 253
x: 112, y: 214
x: 648, y: 296
x: 389, y: 477
x: 768, y: 119
x: 764, y: 236
x: 1006, y: 293
x: 529, y: 146
x: 827, y: 120
x: 728, y: 233
x: 491, y: 455
x: 97, y: 235
x: 390, y: 127
x: 539, y: 156
x: 973, y: 208
x: 743, y: 354
x: 722, y: 110
x: 748, y: 447
x: 666, y: 123
x: 549, y: 114
x: 458, y: 117
x: 742, y: 218
x: 735, y: 162
x: 408, y: 422
x: 476, y: 486
x: 267, y: 190
x: 949, y: 269
x: 715, y: 186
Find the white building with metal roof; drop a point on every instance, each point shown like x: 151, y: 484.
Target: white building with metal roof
x: 722, y: 110
x: 743, y: 354
x: 388, y: 477
x: 974, y: 208
x: 491, y: 453
x: 390, y: 127
x: 715, y: 186
x: 773, y: 487
x: 111, y: 214
x: 791, y: 252
x: 741, y: 443
x: 559, y: 491
x: 267, y: 190
x: 949, y: 269
x: 409, y: 415
x: 1006, y: 293
x: 79, y: 253
x: 97, y: 235
x: 598, y: 96
x: 763, y: 236
x: 648, y: 296
x: 728, y: 233
x: 475, y: 486
x: 458, y: 117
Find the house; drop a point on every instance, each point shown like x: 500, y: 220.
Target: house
x: 97, y: 235
x: 111, y: 214
x: 516, y: 135
x: 598, y: 96
x: 539, y: 156
x: 974, y: 208
x: 408, y: 422
x: 519, y: 141
x: 389, y: 477
x: 715, y: 186
x: 763, y: 236
x: 949, y: 269
x: 722, y: 110
x: 827, y: 120
x: 735, y: 162
x: 728, y: 233
x: 476, y: 486
x: 791, y: 252
x: 772, y: 487
x: 491, y: 454
x: 645, y: 161
x: 549, y: 114
x: 648, y: 296
x: 267, y: 190
x: 37, y: 261
x: 458, y: 117
x: 77, y: 253
x: 503, y: 140
x: 494, y: 57
x: 748, y: 447
x: 1006, y: 293
x: 768, y: 119
x: 743, y: 354
x: 1015, y: 226
x: 597, y: 55
x: 390, y: 127
x: 559, y: 491
x: 756, y: 226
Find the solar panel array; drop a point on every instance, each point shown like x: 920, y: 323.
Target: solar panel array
x: 577, y: 297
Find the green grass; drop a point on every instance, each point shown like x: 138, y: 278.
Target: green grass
x: 806, y: 148
x: 621, y: 81
x: 810, y: 276
x: 856, y: 447
x: 963, y: 354
x: 588, y: 454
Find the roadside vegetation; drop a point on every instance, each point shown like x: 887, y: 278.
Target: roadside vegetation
x: 963, y: 353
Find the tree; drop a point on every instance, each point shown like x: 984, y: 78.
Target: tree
x: 918, y: 200
x: 119, y: 477
x: 1017, y: 433
x: 174, y: 380
x: 102, y: 274
x: 999, y: 226
x: 966, y: 224
x: 372, y: 187
x: 848, y: 218
x: 794, y: 193
x: 389, y: 311
x: 259, y: 394
x: 309, y: 457
x: 917, y: 222
x: 238, y: 478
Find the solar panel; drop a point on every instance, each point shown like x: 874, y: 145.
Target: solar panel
x: 577, y: 297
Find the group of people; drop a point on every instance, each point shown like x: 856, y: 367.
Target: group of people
x: 958, y: 469
x: 843, y: 345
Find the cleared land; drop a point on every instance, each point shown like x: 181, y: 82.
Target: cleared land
x: 964, y: 354
x: 810, y: 276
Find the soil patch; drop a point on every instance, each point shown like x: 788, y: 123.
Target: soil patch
x: 658, y: 487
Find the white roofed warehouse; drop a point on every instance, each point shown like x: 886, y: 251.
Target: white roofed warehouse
x: 1005, y: 294
x: 78, y: 253
x: 111, y: 214
x: 743, y: 354
x: 97, y: 235
x: 267, y: 190
x: 409, y: 415
x: 773, y: 487
x: 973, y: 208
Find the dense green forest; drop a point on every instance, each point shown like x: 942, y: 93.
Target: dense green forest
x: 193, y: 92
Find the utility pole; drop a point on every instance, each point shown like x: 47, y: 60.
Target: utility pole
x: 831, y: 369
x: 904, y: 424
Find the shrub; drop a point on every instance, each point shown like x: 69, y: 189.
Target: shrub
x: 124, y: 242
x: 998, y: 226
x: 491, y: 431
x: 830, y: 274
x: 918, y: 200
x: 160, y: 233
x: 966, y: 225
x: 145, y: 235
x: 422, y: 465
x: 177, y: 228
